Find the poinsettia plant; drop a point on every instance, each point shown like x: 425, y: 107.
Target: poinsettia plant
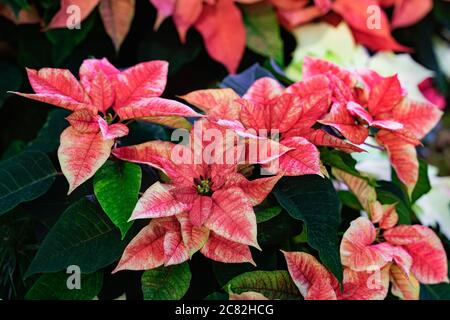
x: 257, y: 180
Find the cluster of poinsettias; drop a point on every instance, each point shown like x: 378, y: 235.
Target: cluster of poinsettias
x: 375, y: 251
x: 207, y: 203
x: 221, y: 24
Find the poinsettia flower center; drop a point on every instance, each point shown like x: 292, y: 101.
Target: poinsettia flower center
x: 203, y: 186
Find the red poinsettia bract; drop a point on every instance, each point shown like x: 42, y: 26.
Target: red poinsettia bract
x: 132, y: 94
x: 206, y: 206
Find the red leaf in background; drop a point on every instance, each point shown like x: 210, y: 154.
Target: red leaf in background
x: 220, y: 249
x: 375, y: 37
x: 409, y: 12
x: 187, y: 12
x: 223, y: 32
x: 81, y: 155
x: 428, y: 89
x: 117, y: 16
x: 58, y: 87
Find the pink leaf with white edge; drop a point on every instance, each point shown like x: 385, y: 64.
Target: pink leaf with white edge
x: 101, y: 92
x: 84, y: 121
x: 157, y: 202
x: 175, y: 251
x: 402, y: 259
x: 145, y: 251
x: 233, y: 217
x: 424, y: 246
x: 117, y: 16
x: 357, y: 251
x: 256, y: 190
x: 64, y: 15
x: 175, y: 122
x: 91, y: 67
x: 304, y: 158
x: 308, y: 275
x: 418, y: 117
x: 57, y: 87
x: 155, y: 107
x: 201, y: 210
x: 385, y: 95
x: 403, y: 286
x: 403, y: 157
x: 356, y: 110
x: 323, y: 138
x: 263, y: 90
x: 113, y: 131
x: 81, y: 155
x: 144, y: 80
x: 366, y: 285
x: 341, y: 119
x: 194, y: 237
x: 249, y: 295
x: 217, y: 103
x: 220, y: 249
x: 223, y: 32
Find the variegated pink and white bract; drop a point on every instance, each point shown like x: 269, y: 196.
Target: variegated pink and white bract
x: 132, y: 94
x: 207, y: 206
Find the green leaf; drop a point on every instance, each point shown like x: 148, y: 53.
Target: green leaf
x: 47, y: 139
x: 116, y: 186
x: 339, y: 160
x: 53, y: 286
x: 217, y: 296
x: 166, y: 283
x: 14, y: 148
x: 263, y: 31
x: 349, y: 199
x: 65, y: 40
x: 10, y: 80
x: 389, y: 193
x: 24, y: 177
x: 82, y: 236
x: 17, y: 5
x: 314, y: 200
x: 264, y: 214
x: 272, y: 284
x: 423, y: 185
